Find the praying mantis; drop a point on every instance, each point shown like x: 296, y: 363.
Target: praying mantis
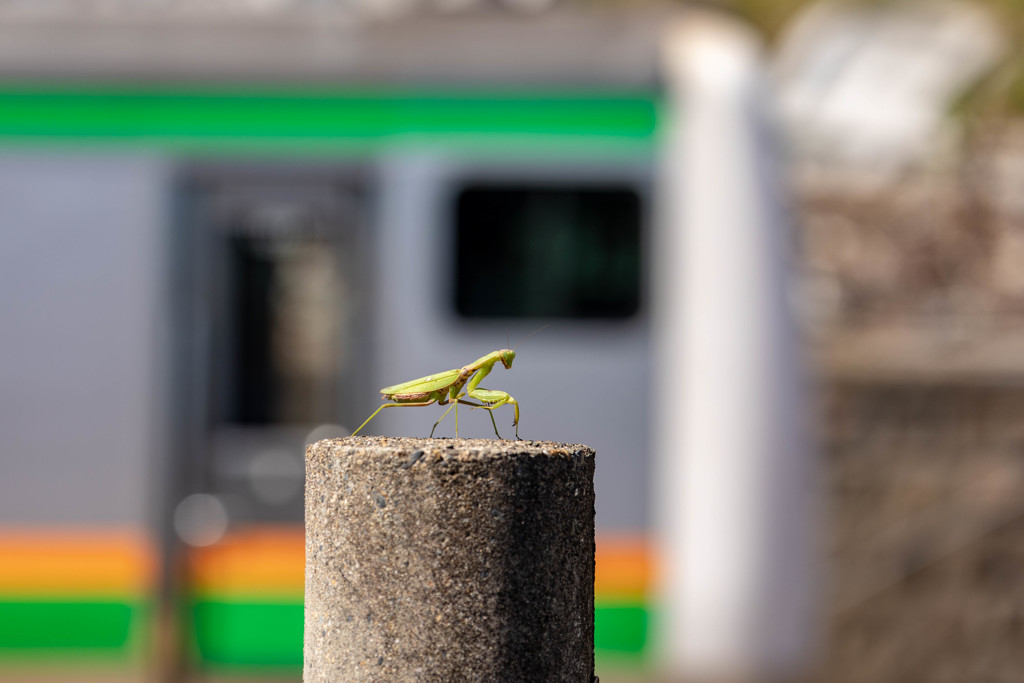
x: 445, y: 387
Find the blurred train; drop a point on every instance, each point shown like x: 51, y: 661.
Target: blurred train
x: 220, y: 236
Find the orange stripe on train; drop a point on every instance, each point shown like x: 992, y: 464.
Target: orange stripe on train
x: 81, y: 563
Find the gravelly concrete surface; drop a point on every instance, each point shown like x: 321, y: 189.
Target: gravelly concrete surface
x: 449, y: 560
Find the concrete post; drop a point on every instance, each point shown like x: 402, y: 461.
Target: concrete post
x: 449, y: 560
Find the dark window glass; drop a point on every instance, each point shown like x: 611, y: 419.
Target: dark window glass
x: 547, y: 252
x: 253, y: 270
x: 281, y: 299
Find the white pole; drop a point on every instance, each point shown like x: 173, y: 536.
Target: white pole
x: 734, y: 480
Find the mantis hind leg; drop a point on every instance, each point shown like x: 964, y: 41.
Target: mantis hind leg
x: 390, y: 405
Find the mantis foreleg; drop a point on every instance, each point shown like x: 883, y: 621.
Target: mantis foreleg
x: 482, y: 371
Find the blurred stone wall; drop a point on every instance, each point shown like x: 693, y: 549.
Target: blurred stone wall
x: 915, y: 293
x: 926, y: 490
x: 944, y: 245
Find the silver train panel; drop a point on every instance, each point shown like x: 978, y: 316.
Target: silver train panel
x: 82, y: 337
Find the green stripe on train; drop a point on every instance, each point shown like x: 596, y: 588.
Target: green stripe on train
x: 322, y: 119
x: 69, y: 625
x: 620, y: 628
x: 228, y: 633
x: 246, y: 634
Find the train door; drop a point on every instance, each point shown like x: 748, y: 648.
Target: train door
x: 272, y: 298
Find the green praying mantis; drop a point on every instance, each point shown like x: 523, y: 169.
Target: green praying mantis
x: 447, y: 387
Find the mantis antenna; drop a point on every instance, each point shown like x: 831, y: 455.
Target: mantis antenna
x: 527, y: 336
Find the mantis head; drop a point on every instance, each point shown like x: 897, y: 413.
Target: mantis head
x: 507, y: 356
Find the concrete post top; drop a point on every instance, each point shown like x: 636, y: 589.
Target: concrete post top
x: 426, y: 451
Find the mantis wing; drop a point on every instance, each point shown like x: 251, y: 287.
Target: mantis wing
x: 433, y: 382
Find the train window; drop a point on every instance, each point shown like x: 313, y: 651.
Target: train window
x: 285, y: 307
x: 283, y: 296
x: 524, y: 251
